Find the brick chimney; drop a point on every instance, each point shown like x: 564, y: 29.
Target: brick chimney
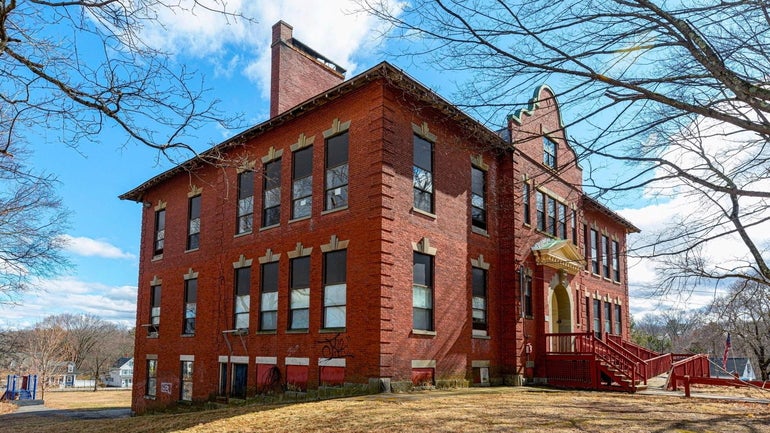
x: 297, y: 72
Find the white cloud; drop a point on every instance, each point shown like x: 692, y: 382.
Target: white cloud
x: 88, y: 247
x: 70, y: 295
x: 331, y: 27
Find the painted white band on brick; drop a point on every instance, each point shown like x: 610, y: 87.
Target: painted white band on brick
x: 222, y: 358
x: 187, y: 357
x: 272, y: 360
x: 297, y: 361
x: 331, y: 362
x: 423, y: 363
x: 239, y: 359
x: 151, y: 356
x: 478, y: 364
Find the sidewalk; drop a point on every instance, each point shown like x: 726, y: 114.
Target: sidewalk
x: 657, y: 386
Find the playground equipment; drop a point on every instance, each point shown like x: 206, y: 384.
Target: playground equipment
x: 20, y: 387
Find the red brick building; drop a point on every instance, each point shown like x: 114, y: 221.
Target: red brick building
x: 370, y: 232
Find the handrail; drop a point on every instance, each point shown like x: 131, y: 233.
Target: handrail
x: 641, y: 351
x: 693, y: 366
x: 639, y: 361
x: 659, y: 365
x: 627, y: 366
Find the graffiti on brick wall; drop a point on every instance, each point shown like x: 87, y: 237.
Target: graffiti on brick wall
x: 335, y: 347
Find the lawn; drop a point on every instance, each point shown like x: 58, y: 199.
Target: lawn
x: 465, y: 410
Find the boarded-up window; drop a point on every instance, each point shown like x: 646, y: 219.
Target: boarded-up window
x: 296, y: 377
x: 422, y: 376
x: 332, y: 376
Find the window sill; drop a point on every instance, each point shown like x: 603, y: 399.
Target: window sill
x: 336, y: 209
x: 192, y: 250
x: 188, y: 335
x: 424, y: 213
x: 481, y: 337
x: 157, y: 257
x: 297, y: 331
x: 479, y: 231
x: 528, y: 317
x: 332, y: 330
x: 423, y: 333
x: 267, y: 332
x: 299, y: 219
x: 269, y: 227
x: 240, y: 235
x: 149, y: 397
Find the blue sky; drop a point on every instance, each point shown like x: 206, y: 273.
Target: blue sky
x: 104, y: 231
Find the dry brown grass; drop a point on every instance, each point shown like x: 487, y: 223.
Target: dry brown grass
x: 466, y: 410
x: 88, y: 399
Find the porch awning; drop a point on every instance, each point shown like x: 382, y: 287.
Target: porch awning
x: 558, y: 254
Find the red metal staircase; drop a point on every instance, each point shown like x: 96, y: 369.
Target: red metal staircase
x: 581, y: 360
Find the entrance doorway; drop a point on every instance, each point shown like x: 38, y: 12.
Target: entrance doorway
x: 561, y: 311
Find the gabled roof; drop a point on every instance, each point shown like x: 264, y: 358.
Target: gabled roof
x: 393, y: 76
x: 121, y: 362
x: 558, y: 254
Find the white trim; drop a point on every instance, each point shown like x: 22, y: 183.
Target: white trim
x: 187, y: 357
x: 423, y: 363
x: 331, y: 362
x: 239, y: 359
x: 479, y: 364
x: 151, y: 356
x: 222, y: 358
x: 272, y: 360
x: 297, y: 361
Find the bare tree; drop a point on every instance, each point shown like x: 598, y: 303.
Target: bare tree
x: 45, y: 349
x: 32, y: 219
x: 745, y: 313
x: 114, y: 342
x: 77, y: 67
x: 675, y: 90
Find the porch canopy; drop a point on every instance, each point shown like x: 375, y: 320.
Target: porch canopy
x: 558, y: 254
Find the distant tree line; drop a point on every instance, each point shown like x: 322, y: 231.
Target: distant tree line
x: 87, y: 342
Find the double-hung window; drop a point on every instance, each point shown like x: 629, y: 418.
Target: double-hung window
x: 525, y: 193
x: 597, y: 318
x: 562, y: 221
x: 607, y: 258
x: 574, y: 227
x: 151, y: 386
x: 478, y: 198
x: 335, y: 289
x: 242, y: 297
x: 154, y: 327
x: 479, y: 302
x: 336, y: 182
x: 594, y: 251
x: 422, y: 174
x: 271, y: 195
x: 616, y: 260
x: 186, y: 380
x: 551, y: 205
x: 422, y: 292
x: 549, y: 152
x: 527, y: 295
x: 607, y: 318
x: 190, y: 305
x: 160, y: 232
x: 618, y: 319
x: 268, y: 306
x: 299, y: 297
x: 540, y: 208
x: 245, y: 202
x: 302, y: 183
x: 194, y: 223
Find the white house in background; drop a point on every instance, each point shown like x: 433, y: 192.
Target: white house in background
x: 740, y: 366
x: 121, y: 373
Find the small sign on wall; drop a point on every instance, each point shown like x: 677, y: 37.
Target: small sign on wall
x: 165, y: 387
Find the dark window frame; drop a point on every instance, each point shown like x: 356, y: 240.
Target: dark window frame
x: 302, y: 183
x: 607, y: 317
x: 299, y: 271
x: 478, y: 198
x: 271, y: 193
x: 423, y: 315
x: 550, y: 153
x: 616, y: 260
x: 185, y: 380
x: 618, y: 319
x: 151, y: 383
x: 479, y: 299
x: 334, y: 277
x: 190, y: 306
x: 607, y: 257
x: 337, y: 176
x: 526, y: 192
x: 540, y: 210
x: 597, y: 318
x: 242, y: 298
x: 595, y: 251
x: 159, y: 232
x: 562, y: 220
x: 269, y: 274
x: 245, y: 205
x: 194, y: 222
x: 155, y: 297
x: 423, y: 179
